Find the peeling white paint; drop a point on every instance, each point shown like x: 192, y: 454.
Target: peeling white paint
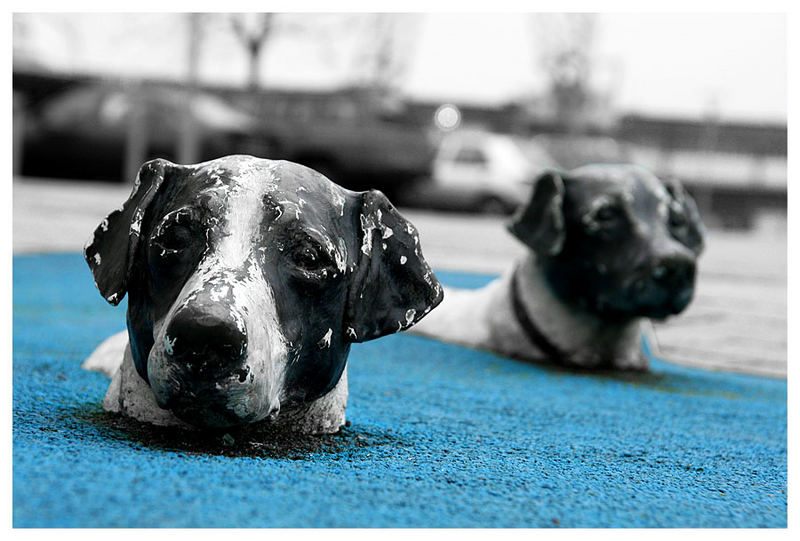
x: 136, y: 224
x: 325, y: 341
x: 338, y: 200
x: 367, y: 226
x: 169, y: 345
x: 218, y: 293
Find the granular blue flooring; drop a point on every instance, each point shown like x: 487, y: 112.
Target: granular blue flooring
x: 440, y: 436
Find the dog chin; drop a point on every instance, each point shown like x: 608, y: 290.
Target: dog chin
x: 216, y: 408
x: 651, y: 301
x: 662, y: 303
x: 675, y: 304
x: 206, y: 417
x: 220, y: 404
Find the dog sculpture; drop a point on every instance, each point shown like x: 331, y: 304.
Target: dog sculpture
x: 609, y: 246
x: 247, y: 281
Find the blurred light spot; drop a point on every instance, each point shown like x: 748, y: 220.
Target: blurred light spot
x: 447, y: 117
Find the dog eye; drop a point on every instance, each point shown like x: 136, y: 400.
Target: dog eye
x: 175, y: 238
x: 308, y: 256
x: 607, y: 216
x: 176, y: 235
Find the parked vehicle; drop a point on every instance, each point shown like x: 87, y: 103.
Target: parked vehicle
x: 480, y: 171
x: 356, y: 137
x: 82, y: 132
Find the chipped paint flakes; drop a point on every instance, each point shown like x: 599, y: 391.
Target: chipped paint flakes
x: 368, y: 225
x: 220, y: 292
x: 338, y: 200
x: 136, y: 223
x: 351, y: 332
x: 169, y: 345
x: 371, y: 223
x: 97, y: 259
x: 403, y: 259
x: 338, y: 258
x: 325, y: 341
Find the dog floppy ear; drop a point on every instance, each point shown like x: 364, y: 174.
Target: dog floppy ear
x: 110, y: 250
x: 684, y: 216
x: 540, y: 223
x: 393, y: 285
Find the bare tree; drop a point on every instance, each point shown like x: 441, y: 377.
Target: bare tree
x: 188, y: 140
x: 254, y: 30
x: 564, y: 44
x: 388, y: 40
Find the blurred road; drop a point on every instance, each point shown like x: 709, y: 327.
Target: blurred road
x: 737, y: 322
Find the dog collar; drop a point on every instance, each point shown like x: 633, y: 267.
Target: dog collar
x: 532, y: 331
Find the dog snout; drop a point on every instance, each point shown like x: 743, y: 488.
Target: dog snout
x: 206, y: 337
x: 674, y: 270
x: 669, y: 287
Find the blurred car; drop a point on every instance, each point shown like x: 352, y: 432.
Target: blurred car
x: 480, y: 171
x: 82, y: 133
x: 358, y: 138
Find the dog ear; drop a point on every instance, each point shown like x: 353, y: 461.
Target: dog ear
x: 540, y: 223
x: 690, y: 228
x: 110, y: 250
x: 393, y: 286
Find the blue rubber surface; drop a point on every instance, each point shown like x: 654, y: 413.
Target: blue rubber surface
x: 446, y: 437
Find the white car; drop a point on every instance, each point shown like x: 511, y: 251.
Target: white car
x: 481, y: 170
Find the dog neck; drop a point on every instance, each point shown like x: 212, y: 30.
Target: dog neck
x: 564, y: 333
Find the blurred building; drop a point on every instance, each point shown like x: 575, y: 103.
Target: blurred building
x: 372, y: 137
x: 735, y: 170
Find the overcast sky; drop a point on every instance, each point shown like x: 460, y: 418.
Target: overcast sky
x: 694, y: 64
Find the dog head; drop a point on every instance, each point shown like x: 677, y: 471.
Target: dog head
x: 614, y: 240
x: 248, y: 279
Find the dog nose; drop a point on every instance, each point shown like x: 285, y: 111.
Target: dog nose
x: 210, y: 337
x: 674, y: 270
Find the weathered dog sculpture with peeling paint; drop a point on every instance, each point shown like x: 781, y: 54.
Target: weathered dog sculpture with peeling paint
x: 609, y: 246
x: 247, y: 281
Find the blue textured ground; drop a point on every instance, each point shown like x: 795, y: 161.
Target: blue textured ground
x: 440, y: 436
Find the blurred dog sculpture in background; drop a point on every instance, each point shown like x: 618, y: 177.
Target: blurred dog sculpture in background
x: 247, y: 281
x: 609, y: 246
